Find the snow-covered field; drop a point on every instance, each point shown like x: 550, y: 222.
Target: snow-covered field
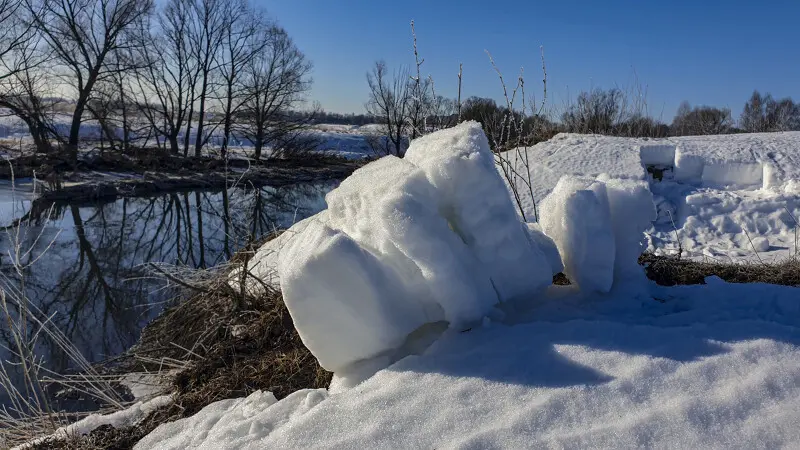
x: 429, y: 299
x: 348, y: 141
x: 720, y: 192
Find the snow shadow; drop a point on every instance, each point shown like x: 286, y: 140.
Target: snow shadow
x: 557, y: 350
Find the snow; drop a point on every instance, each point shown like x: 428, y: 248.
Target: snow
x: 233, y: 423
x: 632, y: 214
x: 709, y: 366
x: 748, y: 181
x: 460, y: 166
x: 420, y: 287
x: 403, y: 244
x: 577, y: 218
x: 125, y: 418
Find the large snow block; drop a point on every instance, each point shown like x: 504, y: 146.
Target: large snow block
x: 718, y: 173
x: 345, y: 304
x: 576, y: 217
x: 688, y: 167
x: 390, y: 208
x: 474, y: 200
x: 632, y: 213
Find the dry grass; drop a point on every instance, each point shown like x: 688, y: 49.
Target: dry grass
x: 228, y: 353
x: 671, y: 271
x: 224, y: 346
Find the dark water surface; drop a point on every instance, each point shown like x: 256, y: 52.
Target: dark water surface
x: 84, y: 265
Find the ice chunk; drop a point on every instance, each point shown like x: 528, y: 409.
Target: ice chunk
x: 473, y: 198
x: 345, y: 305
x: 576, y: 217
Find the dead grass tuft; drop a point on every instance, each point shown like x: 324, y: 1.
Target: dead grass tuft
x: 671, y: 271
x: 226, y: 351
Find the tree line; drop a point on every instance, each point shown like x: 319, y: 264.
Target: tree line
x: 147, y: 75
x: 406, y: 106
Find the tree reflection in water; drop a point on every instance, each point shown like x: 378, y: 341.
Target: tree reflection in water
x: 91, y: 280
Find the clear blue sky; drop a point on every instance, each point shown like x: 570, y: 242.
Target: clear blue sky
x: 705, y: 51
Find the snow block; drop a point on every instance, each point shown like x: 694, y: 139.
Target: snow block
x: 345, y: 305
x: 390, y: 208
x: 732, y: 173
x: 688, y: 168
x: 657, y: 155
x: 406, y: 243
x: 632, y: 213
x: 474, y: 200
x: 576, y: 217
x: 548, y: 247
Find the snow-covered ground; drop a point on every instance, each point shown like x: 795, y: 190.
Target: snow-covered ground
x: 388, y: 289
x: 347, y: 141
x: 719, y: 192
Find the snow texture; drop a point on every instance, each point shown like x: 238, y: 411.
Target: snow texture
x: 233, y: 423
x: 120, y: 419
x: 749, y: 183
x: 577, y: 218
x: 710, y: 366
x: 461, y: 167
x: 403, y: 244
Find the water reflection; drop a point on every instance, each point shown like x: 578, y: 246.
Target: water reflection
x: 90, y: 279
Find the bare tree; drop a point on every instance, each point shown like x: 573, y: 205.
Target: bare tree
x: 165, y: 80
x: 23, y: 74
x: 702, y: 120
x: 764, y: 114
x: 81, y: 34
x: 274, y: 82
x: 240, y: 44
x: 206, y: 33
x: 390, y: 102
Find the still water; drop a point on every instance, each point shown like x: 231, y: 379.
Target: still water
x: 83, y: 265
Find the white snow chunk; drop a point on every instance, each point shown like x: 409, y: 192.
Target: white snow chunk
x: 474, y: 200
x: 345, y: 304
x: 657, y: 155
x: 389, y: 208
x: 576, y: 217
x: 632, y: 213
x: 547, y: 246
x: 688, y: 167
x: 234, y: 423
x: 761, y: 244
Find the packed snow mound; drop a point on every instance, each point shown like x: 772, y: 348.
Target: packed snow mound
x: 633, y: 212
x: 548, y: 247
x: 405, y: 243
x: 598, y: 226
x: 234, y: 423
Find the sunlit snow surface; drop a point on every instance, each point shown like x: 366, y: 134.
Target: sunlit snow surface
x: 708, y: 366
x: 719, y: 192
x: 711, y: 366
